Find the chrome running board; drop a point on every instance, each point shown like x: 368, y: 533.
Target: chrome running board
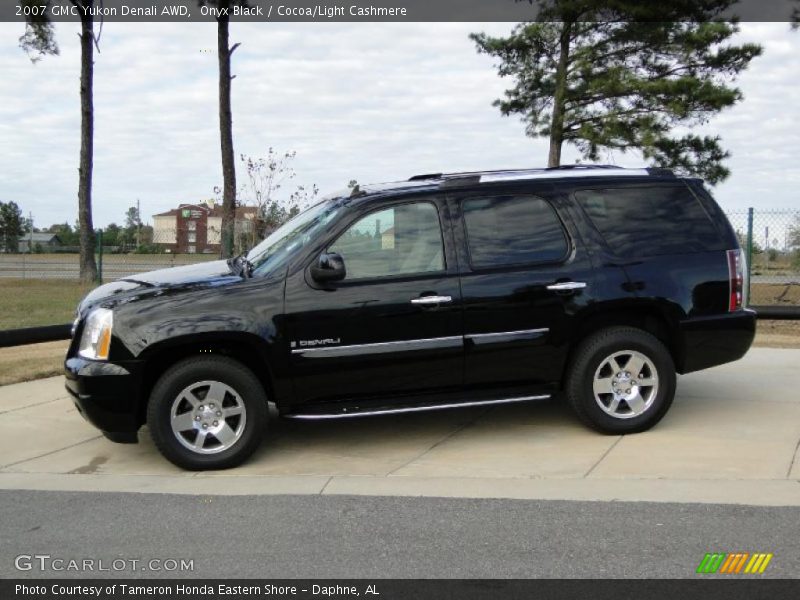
x: 411, y: 409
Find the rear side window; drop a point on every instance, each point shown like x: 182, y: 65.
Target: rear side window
x: 652, y: 221
x: 512, y: 230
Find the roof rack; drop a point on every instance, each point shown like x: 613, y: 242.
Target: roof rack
x: 426, y: 176
x: 582, y: 166
x: 577, y: 170
x: 660, y: 172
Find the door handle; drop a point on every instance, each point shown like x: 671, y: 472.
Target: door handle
x: 431, y: 300
x: 566, y: 286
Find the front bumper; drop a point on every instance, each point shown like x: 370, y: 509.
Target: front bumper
x: 107, y: 395
x: 712, y: 341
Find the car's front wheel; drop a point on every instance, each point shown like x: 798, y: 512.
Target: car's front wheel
x: 621, y: 380
x: 207, y: 413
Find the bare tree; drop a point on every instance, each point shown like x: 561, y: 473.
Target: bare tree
x: 266, y: 177
x: 38, y: 41
x: 224, y: 53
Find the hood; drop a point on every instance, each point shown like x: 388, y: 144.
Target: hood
x: 199, y: 272
x: 134, y: 287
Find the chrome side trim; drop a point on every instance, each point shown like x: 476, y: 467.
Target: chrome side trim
x: 504, y: 334
x: 411, y: 409
x: 406, y: 345
x: 382, y: 347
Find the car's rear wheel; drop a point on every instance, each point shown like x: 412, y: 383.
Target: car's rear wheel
x: 621, y: 380
x: 207, y: 413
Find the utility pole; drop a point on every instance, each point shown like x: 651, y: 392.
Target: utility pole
x: 30, y: 233
x: 138, y: 224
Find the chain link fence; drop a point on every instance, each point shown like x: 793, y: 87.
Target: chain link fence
x: 770, y: 237
x: 43, y: 256
x: 65, y: 266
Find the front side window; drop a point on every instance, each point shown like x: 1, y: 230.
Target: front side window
x: 512, y: 230
x: 400, y: 240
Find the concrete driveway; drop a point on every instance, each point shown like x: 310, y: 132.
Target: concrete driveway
x: 732, y: 436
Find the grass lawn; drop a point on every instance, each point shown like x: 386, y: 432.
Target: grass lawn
x: 23, y: 363
x: 774, y: 294
x: 34, y: 302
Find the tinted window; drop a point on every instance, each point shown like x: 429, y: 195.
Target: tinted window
x: 512, y: 230
x: 400, y: 240
x: 652, y: 221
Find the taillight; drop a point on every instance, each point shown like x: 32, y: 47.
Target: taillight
x: 737, y: 287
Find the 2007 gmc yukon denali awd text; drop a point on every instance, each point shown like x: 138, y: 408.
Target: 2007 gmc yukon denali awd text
x: 445, y: 290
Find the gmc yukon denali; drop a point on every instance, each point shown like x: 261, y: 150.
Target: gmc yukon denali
x: 596, y: 284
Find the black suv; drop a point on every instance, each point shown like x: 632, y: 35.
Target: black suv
x: 445, y: 290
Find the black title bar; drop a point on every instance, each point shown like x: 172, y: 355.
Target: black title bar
x: 703, y: 587
x: 259, y: 11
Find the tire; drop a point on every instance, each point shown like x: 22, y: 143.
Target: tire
x: 184, y: 422
x: 601, y: 394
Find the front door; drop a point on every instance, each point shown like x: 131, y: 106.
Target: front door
x: 390, y: 332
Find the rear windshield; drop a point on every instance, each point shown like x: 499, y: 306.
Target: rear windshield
x: 650, y: 221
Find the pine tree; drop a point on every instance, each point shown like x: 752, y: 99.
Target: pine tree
x: 12, y: 226
x: 619, y: 76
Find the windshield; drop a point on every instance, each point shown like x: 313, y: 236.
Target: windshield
x: 291, y: 236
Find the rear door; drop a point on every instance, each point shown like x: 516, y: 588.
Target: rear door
x: 524, y: 275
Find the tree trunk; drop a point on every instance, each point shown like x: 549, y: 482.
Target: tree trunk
x: 226, y: 136
x: 88, y: 267
x: 559, y: 98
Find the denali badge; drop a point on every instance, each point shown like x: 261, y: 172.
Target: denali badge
x: 310, y: 343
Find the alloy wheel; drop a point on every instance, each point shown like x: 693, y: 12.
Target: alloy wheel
x: 208, y: 417
x: 625, y: 384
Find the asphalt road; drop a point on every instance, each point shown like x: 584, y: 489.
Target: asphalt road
x: 387, y: 537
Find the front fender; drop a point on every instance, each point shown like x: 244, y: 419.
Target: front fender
x: 250, y: 308
x: 246, y: 317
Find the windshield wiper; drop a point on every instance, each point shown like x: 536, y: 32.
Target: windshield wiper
x: 241, y: 266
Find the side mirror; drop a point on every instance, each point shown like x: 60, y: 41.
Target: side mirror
x: 330, y: 267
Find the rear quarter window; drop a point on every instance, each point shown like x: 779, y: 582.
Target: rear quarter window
x: 638, y: 222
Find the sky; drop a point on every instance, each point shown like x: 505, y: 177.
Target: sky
x: 372, y: 102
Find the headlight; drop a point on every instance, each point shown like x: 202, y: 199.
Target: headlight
x: 96, y: 338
